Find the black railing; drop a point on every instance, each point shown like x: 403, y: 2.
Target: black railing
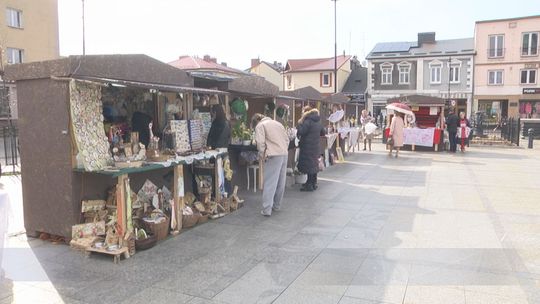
x: 496, y: 131
x: 10, y: 148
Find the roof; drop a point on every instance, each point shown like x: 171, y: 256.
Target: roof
x: 189, y: 63
x: 317, y: 64
x: 140, y: 68
x: 305, y: 93
x: 253, y: 85
x: 273, y: 66
x: 337, y: 98
x: 411, y: 49
x: 419, y: 100
x: 357, y: 82
x: 509, y: 19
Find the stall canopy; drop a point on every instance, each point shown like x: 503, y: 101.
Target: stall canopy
x: 308, y: 93
x: 337, y: 98
x: 135, y: 68
x: 419, y: 100
x: 252, y: 85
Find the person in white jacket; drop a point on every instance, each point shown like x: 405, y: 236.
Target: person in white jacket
x: 272, y: 144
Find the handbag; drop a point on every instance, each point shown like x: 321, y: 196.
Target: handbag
x: 321, y: 163
x: 390, y: 141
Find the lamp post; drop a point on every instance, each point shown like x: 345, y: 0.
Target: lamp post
x: 83, y: 32
x: 335, y: 45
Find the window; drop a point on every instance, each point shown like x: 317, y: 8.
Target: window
x: 15, y: 55
x: 435, y: 68
x: 455, y: 69
x: 495, y: 77
x: 14, y: 18
x: 529, y: 45
x: 404, y: 72
x: 289, y: 81
x: 496, y: 46
x: 326, y: 80
x: 386, y: 73
x: 528, y: 76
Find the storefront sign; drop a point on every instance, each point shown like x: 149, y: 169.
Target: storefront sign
x: 531, y: 91
x: 531, y: 65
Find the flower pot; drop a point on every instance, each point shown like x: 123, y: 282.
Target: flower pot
x: 300, y: 179
x: 246, y: 142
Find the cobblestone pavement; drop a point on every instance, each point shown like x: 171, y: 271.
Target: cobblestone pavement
x: 423, y: 228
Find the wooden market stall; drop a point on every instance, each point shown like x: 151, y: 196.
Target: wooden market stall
x: 71, y: 165
x: 428, y: 129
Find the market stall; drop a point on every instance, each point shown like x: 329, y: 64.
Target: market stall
x: 426, y: 129
x: 117, y: 152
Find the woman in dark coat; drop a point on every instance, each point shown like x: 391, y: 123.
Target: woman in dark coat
x: 219, y: 135
x: 309, y: 130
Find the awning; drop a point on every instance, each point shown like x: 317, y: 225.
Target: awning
x: 144, y: 85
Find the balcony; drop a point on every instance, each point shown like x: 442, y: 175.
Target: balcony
x: 528, y: 52
x: 495, y: 53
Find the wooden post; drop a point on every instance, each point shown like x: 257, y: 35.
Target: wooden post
x: 217, y: 189
x: 178, y: 192
x: 121, y: 205
x: 227, y: 108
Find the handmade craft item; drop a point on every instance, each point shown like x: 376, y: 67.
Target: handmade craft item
x: 92, y: 205
x: 87, y: 230
x: 181, y: 135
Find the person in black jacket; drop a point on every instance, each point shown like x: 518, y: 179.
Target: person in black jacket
x: 452, y: 123
x: 219, y: 135
x: 309, y: 131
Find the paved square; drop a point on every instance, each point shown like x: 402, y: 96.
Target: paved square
x: 424, y: 228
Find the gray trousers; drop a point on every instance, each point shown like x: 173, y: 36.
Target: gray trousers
x: 275, y: 174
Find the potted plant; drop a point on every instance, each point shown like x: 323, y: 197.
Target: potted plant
x: 237, y: 134
x: 246, y: 137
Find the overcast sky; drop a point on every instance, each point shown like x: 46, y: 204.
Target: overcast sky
x: 235, y: 31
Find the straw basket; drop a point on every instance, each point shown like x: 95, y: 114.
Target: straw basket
x: 160, y: 230
x: 203, y: 219
x: 146, y: 243
x: 189, y: 221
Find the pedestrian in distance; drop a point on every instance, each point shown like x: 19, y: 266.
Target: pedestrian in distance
x: 396, y: 133
x: 464, y: 130
x: 272, y: 144
x: 452, y: 123
x: 366, y: 118
x: 309, y: 132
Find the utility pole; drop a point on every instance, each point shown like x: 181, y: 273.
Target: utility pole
x: 335, y: 45
x: 83, y: 31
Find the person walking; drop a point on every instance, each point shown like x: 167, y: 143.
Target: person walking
x: 365, y: 118
x: 396, y: 133
x: 272, y: 144
x: 452, y: 123
x: 464, y: 130
x: 309, y: 131
x: 219, y: 135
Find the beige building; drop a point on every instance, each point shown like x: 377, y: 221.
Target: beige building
x: 318, y: 73
x: 270, y: 71
x: 506, y: 67
x: 29, y: 31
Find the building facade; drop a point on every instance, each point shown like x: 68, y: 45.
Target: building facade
x: 270, y: 71
x: 506, y: 68
x: 317, y: 73
x: 429, y: 67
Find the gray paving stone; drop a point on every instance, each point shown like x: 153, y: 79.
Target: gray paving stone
x: 157, y: 295
x: 301, y: 296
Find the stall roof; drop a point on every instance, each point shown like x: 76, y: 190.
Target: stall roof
x: 337, y: 98
x: 147, y: 85
x: 419, y: 100
x: 252, y: 85
x: 138, y: 68
x: 305, y: 93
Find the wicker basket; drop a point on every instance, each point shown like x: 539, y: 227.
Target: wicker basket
x: 160, y: 230
x: 190, y: 220
x: 203, y: 219
x: 147, y: 243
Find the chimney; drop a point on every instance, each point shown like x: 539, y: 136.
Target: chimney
x: 214, y: 60
x: 207, y: 58
x: 255, y: 62
x: 427, y: 37
x: 224, y: 64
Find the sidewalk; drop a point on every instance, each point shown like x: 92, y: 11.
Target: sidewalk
x: 423, y: 228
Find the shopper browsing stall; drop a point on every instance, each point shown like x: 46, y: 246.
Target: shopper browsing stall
x: 396, y: 133
x: 272, y: 144
x: 464, y: 130
x: 219, y: 135
x: 452, y: 124
x: 309, y: 131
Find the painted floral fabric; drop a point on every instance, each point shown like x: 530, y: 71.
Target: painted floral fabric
x: 181, y: 135
x: 87, y: 125
x: 196, y: 133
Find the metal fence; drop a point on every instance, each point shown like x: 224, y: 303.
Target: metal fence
x: 9, y: 150
x: 503, y: 131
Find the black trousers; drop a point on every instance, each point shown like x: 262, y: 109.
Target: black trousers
x: 452, y: 139
x: 312, y: 179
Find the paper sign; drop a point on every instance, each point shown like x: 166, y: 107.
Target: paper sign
x: 419, y: 137
x: 433, y: 110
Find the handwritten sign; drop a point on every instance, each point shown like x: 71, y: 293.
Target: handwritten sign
x: 418, y: 137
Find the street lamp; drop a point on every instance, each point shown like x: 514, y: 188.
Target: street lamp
x: 335, y: 45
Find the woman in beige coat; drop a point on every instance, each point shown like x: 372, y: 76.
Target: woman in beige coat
x: 396, y: 133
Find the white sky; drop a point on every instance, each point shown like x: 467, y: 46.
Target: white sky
x: 235, y: 31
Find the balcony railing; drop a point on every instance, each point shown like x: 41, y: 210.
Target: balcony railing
x: 496, y: 53
x: 525, y: 52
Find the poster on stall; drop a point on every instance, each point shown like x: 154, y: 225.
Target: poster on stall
x: 419, y: 137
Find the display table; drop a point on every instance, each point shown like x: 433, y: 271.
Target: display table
x: 352, y: 136
x: 422, y: 137
x: 237, y: 149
